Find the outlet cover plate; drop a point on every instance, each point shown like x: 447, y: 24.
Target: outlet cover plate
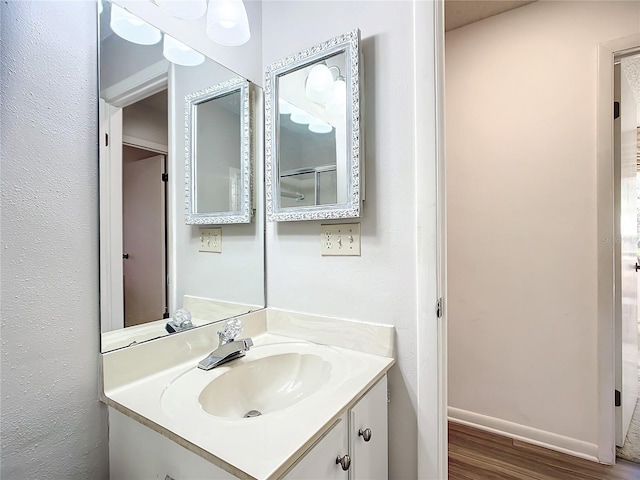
x: 340, y: 239
x: 210, y: 240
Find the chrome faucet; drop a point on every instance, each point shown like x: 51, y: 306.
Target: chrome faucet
x: 181, y: 321
x: 229, y: 348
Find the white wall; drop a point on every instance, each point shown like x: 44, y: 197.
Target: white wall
x: 237, y: 274
x: 52, y: 423
x: 380, y: 285
x: 522, y: 211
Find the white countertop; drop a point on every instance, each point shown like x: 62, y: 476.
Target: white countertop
x: 256, y: 448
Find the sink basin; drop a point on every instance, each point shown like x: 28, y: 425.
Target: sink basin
x: 265, y: 385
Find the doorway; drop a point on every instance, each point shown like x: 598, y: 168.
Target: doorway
x: 625, y: 143
x: 144, y: 210
x: 144, y: 235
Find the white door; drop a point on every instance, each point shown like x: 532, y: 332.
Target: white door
x: 143, y: 238
x: 625, y: 140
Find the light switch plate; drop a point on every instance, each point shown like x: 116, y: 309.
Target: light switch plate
x: 210, y: 240
x: 340, y: 239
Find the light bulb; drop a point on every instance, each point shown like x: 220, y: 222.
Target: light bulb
x: 318, y: 126
x: 126, y: 25
x: 178, y: 53
x: 301, y: 117
x: 227, y: 22
x: 319, y: 87
x: 284, y: 107
x: 337, y: 104
x: 185, y: 9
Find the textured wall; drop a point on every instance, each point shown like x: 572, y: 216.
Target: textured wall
x: 52, y: 423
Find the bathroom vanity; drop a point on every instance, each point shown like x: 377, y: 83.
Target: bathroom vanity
x: 306, y: 396
x: 320, y: 408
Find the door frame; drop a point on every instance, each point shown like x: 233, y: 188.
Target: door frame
x: 607, y: 53
x: 429, y: 152
x: 113, y: 99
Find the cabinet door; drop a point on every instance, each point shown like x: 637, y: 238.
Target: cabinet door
x: 369, y: 432
x: 139, y: 453
x: 320, y: 460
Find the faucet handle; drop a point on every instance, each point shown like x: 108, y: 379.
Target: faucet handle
x: 231, y: 330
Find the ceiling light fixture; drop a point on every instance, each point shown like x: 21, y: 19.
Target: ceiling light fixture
x: 178, y: 53
x: 336, y: 105
x: 319, y: 84
x: 318, y: 126
x: 227, y: 22
x: 284, y: 107
x: 185, y: 9
x: 126, y: 25
x: 301, y: 117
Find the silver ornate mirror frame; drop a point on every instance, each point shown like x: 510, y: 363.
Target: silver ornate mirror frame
x: 349, y: 44
x: 244, y: 214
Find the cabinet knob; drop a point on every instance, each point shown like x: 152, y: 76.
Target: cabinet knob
x: 365, y: 434
x: 344, y: 462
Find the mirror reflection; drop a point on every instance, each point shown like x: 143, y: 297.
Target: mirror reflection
x: 218, y: 130
x: 218, y: 174
x: 313, y: 167
x: 152, y: 263
x: 312, y: 124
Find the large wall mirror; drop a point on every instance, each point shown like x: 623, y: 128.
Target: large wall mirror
x: 151, y: 263
x: 313, y: 156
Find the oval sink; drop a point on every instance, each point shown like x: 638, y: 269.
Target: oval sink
x: 265, y: 385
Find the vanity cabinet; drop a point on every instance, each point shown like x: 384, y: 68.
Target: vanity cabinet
x: 361, y: 434
x: 138, y: 452
x: 358, y: 437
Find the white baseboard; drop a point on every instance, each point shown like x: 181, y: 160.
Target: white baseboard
x: 541, y: 438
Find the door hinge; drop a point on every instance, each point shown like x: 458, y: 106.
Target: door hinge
x: 106, y: 139
x: 618, y: 398
x: 440, y: 307
x: 616, y: 110
x: 165, y: 177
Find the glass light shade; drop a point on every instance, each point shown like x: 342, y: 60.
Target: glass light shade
x: 284, y: 107
x: 337, y: 104
x: 126, y: 25
x: 301, y: 117
x: 319, y: 87
x: 318, y: 126
x: 185, y: 9
x: 227, y: 22
x: 178, y: 53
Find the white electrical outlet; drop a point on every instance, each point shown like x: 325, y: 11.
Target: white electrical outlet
x: 210, y: 240
x: 340, y: 239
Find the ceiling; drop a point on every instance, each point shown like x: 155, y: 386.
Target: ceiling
x: 458, y: 13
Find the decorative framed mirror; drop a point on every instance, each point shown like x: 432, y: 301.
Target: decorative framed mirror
x: 218, y: 154
x: 314, y: 166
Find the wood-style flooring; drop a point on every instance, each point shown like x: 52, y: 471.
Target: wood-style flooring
x: 478, y: 455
